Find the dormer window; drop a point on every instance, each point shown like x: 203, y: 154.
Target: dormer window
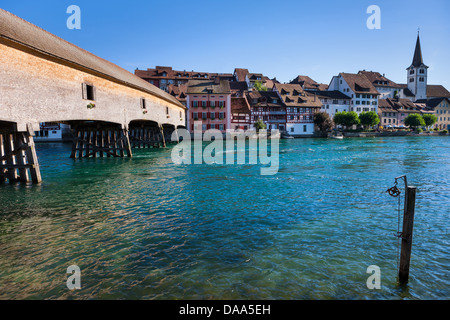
x: 411, y: 71
x: 421, y: 71
x: 164, y: 74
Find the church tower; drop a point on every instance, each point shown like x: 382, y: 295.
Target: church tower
x: 417, y: 74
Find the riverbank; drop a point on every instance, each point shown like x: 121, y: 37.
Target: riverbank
x: 392, y: 134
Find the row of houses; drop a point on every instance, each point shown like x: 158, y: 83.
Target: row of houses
x: 238, y: 100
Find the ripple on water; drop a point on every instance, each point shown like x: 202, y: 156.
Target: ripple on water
x: 145, y: 228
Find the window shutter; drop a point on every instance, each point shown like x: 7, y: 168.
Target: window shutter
x: 84, y: 91
x: 208, y: 126
x: 94, y: 93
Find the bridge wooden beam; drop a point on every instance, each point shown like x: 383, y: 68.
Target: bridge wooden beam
x: 98, y: 141
x: 18, y: 159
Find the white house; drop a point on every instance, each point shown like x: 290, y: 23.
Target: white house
x: 364, y: 96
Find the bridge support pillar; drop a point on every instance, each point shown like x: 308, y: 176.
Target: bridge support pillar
x: 100, y: 141
x: 18, y: 159
x: 147, y: 137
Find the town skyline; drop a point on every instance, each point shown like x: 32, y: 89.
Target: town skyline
x: 127, y: 36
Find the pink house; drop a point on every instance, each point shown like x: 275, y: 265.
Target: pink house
x: 209, y: 105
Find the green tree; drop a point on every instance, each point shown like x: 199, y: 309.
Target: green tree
x: 414, y: 120
x: 259, y: 86
x: 260, y: 125
x: 346, y: 119
x: 430, y: 119
x: 323, y: 121
x: 369, y: 119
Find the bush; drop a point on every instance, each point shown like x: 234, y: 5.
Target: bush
x: 445, y: 131
x: 419, y: 130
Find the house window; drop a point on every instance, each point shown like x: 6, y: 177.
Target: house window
x: 204, y: 115
x: 411, y: 71
x: 204, y: 127
x: 221, y: 127
x: 167, y: 110
x: 221, y: 104
x: 421, y: 71
x: 212, y: 115
x: 304, y: 128
x: 292, y: 129
x: 213, y: 125
x: 411, y: 80
x: 421, y: 79
x: 89, y: 92
x: 195, y: 104
x: 212, y: 104
x: 195, y: 115
x: 203, y: 104
x: 221, y: 115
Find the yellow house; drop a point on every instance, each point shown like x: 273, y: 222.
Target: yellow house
x: 441, y: 107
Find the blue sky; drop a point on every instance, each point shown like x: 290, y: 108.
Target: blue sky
x: 277, y: 38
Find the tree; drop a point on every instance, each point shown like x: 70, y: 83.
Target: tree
x: 259, y: 86
x: 414, y: 120
x: 430, y: 119
x: 369, y: 119
x: 260, y: 125
x: 323, y: 121
x: 346, y: 119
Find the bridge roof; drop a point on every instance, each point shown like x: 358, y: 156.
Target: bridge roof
x: 37, y: 40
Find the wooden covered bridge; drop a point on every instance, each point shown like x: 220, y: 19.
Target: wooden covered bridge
x: 47, y: 79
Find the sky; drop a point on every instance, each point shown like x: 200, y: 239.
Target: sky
x: 279, y: 39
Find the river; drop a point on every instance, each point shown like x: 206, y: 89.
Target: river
x: 145, y: 228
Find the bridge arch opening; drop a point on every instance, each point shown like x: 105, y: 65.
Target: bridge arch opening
x: 146, y: 134
x: 99, y: 139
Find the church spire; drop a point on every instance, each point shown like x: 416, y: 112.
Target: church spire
x: 417, y: 59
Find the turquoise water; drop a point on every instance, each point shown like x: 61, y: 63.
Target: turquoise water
x: 144, y: 228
